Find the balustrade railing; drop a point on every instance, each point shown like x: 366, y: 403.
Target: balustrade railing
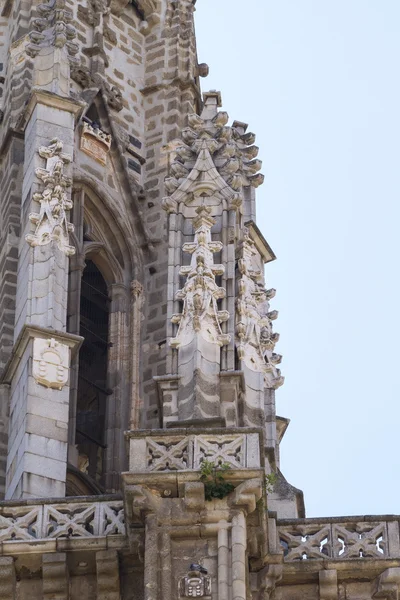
x: 70, y: 520
x: 339, y: 538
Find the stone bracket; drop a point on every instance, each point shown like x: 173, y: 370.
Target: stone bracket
x: 387, y: 584
x: 328, y: 585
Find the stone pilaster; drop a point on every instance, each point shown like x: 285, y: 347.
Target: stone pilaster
x: 107, y: 569
x: 171, y: 91
x: 7, y: 578
x: 38, y: 372
x: 55, y: 576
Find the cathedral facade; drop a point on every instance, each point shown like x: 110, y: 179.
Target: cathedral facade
x: 139, y: 441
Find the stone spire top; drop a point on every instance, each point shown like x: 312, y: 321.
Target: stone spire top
x: 214, y: 158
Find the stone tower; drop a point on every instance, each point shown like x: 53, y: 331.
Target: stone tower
x: 139, y: 437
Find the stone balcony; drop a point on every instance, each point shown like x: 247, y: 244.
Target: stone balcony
x: 168, y: 458
x: 60, y: 525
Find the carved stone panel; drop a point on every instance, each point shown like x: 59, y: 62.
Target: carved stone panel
x: 51, y: 222
x: 95, y: 143
x: 50, y: 363
x: 195, y: 585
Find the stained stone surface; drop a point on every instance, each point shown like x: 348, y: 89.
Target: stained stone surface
x: 114, y: 162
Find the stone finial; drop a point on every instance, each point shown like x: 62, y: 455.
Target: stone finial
x: 200, y: 293
x: 213, y: 159
x: 51, y: 222
x: 53, y: 28
x: 203, y: 70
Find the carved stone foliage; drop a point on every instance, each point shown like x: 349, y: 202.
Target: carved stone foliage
x: 54, y: 521
x: 195, y: 585
x: 97, y: 14
x: 200, y: 294
x: 51, y: 223
x: 255, y: 340
x: 95, y: 143
x: 53, y: 28
x: 112, y: 95
x: 335, y: 540
x: 50, y: 363
x: 213, y: 159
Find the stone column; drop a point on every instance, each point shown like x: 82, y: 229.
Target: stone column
x: 118, y: 407
x: 7, y: 578
x: 107, y: 568
x: 239, y: 557
x: 55, y: 576
x: 223, y: 561
x: 38, y: 373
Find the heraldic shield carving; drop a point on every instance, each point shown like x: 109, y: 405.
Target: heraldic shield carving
x: 50, y: 363
x: 195, y: 585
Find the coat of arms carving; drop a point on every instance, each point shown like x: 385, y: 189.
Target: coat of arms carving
x: 50, y: 363
x: 196, y: 584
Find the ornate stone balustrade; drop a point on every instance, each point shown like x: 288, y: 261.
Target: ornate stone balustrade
x: 340, y: 538
x: 185, y: 449
x: 45, y: 526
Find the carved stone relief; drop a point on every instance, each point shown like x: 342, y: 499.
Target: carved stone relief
x: 213, y: 158
x: 95, y: 143
x: 51, y: 223
x: 195, y: 585
x: 255, y: 340
x: 50, y: 363
x: 200, y: 293
x: 53, y: 28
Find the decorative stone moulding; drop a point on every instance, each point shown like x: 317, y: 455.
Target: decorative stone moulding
x: 51, y: 361
x: 53, y: 28
x: 255, y: 340
x: 51, y: 223
x: 200, y: 293
x: 95, y: 143
x: 195, y: 585
x: 168, y: 453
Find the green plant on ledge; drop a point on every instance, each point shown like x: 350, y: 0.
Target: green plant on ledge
x: 270, y: 481
x: 212, y: 476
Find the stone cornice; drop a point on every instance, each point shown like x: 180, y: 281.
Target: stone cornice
x: 27, y: 334
x: 39, y: 96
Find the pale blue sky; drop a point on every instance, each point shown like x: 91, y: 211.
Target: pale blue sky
x: 318, y: 82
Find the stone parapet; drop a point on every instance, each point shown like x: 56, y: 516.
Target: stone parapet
x: 185, y: 449
x: 340, y: 538
x: 62, y: 525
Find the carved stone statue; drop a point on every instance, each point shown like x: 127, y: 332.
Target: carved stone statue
x: 200, y: 293
x: 51, y: 222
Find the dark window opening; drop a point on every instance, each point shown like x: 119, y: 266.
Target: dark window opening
x: 92, y: 379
